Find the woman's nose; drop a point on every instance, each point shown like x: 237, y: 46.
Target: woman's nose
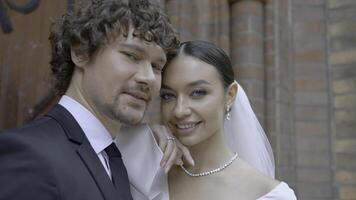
x: 181, y: 108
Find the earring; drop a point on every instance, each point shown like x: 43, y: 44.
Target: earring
x: 228, y: 116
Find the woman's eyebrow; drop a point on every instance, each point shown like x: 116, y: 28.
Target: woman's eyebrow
x: 192, y: 84
x: 165, y: 87
x: 199, y: 82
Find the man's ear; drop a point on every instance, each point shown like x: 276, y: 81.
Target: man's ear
x: 231, y: 94
x: 79, y: 58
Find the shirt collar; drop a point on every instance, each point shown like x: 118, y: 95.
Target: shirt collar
x: 98, y: 136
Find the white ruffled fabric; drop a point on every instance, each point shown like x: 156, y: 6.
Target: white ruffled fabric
x: 280, y: 192
x: 142, y: 156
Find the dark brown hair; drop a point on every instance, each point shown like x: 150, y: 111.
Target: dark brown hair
x: 208, y: 53
x: 94, y: 25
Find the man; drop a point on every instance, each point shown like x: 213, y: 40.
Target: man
x: 107, y: 60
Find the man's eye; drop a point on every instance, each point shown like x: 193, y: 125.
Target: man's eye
x: 157, y: 68
x: 198, y: 93
x: 165, y: 96
x: 131, y: 56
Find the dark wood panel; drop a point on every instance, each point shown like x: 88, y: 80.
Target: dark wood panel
x: 24, y: 61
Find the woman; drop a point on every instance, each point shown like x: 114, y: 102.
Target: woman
x: 198, y: 94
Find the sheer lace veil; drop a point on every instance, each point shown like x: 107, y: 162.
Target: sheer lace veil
x: 246, y: 137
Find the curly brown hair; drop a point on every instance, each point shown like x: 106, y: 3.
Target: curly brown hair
x: 93, y: 26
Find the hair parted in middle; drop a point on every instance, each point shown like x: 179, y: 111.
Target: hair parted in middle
x: 208, y: 53
x: 96, y: 24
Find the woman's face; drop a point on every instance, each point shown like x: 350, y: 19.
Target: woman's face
x: 193, y: 100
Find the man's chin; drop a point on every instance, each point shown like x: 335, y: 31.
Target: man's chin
x: 131, y: 121
x: 130, y: 118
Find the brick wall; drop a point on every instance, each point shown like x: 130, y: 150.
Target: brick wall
x: 247, y: 56
x: 342, y: 65
x: 279, y: 88
x: 311, y: 102
x: 201, y: 19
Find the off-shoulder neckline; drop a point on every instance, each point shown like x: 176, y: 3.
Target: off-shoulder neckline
x: 280, y: 185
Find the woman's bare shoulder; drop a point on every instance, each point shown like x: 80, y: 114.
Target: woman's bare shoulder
x: 243, y: 175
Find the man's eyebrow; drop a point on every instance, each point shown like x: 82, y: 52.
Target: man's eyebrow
x: 195, y: 83
x: 134, y: 47
x: 141, y: 50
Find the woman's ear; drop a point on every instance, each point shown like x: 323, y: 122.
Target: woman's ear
x: 231, y: 94
x: 79, y: 58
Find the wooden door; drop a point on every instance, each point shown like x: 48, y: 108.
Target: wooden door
x: 24, y: 56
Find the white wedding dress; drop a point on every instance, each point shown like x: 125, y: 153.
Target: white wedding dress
x: 142, y: 156
x: 280, y: 192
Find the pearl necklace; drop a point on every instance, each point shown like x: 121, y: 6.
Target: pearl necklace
x: 211, y: 171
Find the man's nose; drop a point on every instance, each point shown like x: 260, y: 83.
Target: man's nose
x: 145, y: 74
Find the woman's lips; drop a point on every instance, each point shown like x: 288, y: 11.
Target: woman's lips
x: 186, y: 128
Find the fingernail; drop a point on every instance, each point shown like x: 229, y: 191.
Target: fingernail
x: 192, y: 162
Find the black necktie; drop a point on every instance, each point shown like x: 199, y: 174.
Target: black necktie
x: 118, y: 172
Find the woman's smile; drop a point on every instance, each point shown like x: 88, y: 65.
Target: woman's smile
x: 186, y: 128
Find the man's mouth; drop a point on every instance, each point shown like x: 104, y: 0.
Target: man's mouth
x: 139, y: 95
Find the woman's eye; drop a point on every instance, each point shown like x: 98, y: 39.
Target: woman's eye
x: 198, y: 93
x: 166, y: 96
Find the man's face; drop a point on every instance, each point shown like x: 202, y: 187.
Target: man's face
x: 122, y: 77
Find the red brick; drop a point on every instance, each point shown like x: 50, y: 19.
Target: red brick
x: 310, y: 85
x: 310, y: 57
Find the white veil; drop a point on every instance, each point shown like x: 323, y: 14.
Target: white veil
x: 246, y: 137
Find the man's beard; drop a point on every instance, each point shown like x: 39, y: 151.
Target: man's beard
x: 124, y: 111
x: 127, y: 119
x: 122, y: 114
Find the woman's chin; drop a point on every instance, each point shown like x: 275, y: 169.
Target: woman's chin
x: 188, y: 141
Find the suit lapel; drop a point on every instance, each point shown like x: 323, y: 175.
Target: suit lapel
x: 85, y: 151
x: 96, y: 169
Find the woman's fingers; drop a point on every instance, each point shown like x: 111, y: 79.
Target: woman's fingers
x: 174, y: 152
x: 160, y: 135
x: 162, y: 143
x: 167, y: 153
x: 186, y: 154
x: 179, y: 159
x: 171, y: 158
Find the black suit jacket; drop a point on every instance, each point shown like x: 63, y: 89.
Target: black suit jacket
x: 51, y: 158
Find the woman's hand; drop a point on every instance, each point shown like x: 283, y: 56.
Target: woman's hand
x: 174, y: 152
